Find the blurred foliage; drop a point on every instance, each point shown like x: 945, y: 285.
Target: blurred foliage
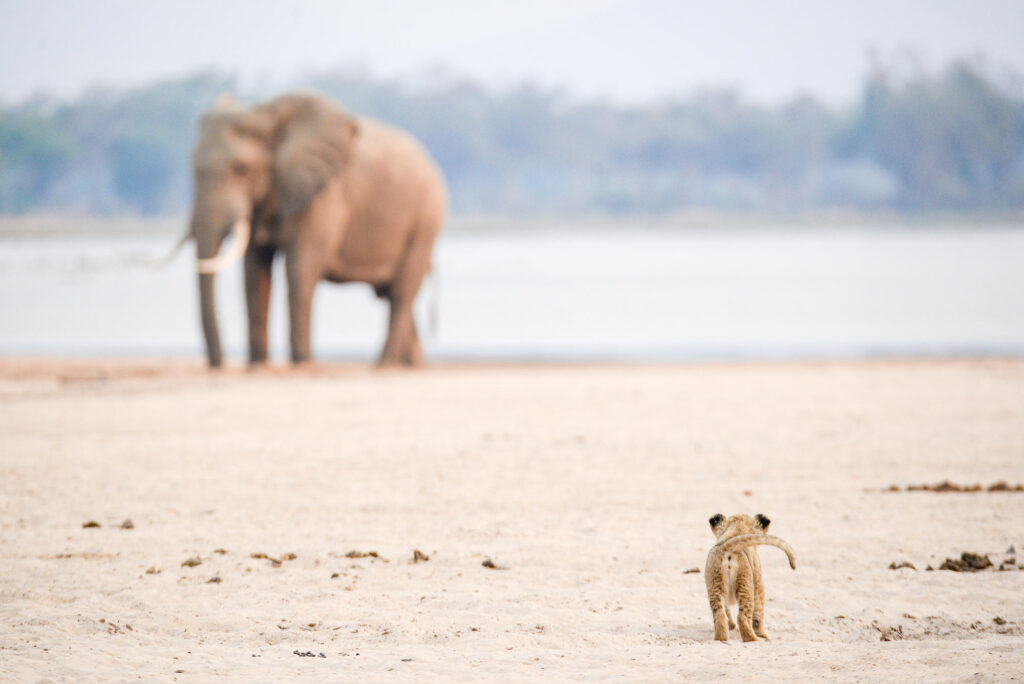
x: 915, y: 141
x: 956, y: 141
x: 34, y: 151
x: 108, y: 152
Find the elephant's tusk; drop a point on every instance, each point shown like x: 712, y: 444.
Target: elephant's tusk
x: 241, y: 231
x: 166, y: 259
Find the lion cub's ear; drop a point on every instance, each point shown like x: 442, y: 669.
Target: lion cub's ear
x: 715, y: 519
x: 763, y: 521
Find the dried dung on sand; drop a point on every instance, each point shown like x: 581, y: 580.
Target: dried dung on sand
x: 968, y: 562
x: 948, y: 486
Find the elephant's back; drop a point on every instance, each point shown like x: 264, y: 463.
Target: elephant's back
x: 386, y: 142
x: 397, y: 167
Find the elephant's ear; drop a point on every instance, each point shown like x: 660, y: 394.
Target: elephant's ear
x: 312, y: 144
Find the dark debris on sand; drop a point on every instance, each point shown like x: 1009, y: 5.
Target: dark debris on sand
x: 902, y: 564
x: 888, y: 632
x: 274, y: 562
x: 948, y: 486
x: 968, y: 562
x: 976, y: 562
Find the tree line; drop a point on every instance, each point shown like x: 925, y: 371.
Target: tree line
x: 913, y: 141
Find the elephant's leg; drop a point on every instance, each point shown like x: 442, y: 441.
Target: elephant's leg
x: 402, y: 346
x: 313, y: 236
x: 408, y: 350
x: 258, y: 263
x: 303, y: 270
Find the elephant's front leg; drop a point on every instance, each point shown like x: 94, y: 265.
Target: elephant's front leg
x: 303, y: 268
x: 258, y: 263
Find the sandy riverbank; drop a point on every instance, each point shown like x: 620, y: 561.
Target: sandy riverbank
x: 588, y: 486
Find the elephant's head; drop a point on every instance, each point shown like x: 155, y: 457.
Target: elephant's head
x: 261, y: 164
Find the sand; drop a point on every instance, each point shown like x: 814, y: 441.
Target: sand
x: 588, y: 487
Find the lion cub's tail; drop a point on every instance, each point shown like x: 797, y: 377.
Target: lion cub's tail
x: 742, y: 541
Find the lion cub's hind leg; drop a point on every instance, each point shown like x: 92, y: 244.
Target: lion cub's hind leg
x: 721, y: 624
x: 759, y: 628
x: 745, y: 596
x: 719, y: 611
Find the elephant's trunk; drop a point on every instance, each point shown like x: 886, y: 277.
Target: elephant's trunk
x: 208, y: 262
x: 211, y: 264
x: 208, y: 310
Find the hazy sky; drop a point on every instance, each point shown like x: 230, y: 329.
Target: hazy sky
x: 628, y: 50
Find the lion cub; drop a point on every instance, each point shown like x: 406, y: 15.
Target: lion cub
x: 733, y: 573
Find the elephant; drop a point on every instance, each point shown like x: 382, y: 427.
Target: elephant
x: 343, y: 199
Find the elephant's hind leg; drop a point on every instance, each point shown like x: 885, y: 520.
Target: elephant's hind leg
x: 402, y: 346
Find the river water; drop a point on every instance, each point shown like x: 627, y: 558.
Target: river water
x: 625, y: 294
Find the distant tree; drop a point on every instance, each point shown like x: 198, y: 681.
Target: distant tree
x: 135, y: 145
x: 142, y: 170
x: 954, y: 141
x: 34, y: 150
